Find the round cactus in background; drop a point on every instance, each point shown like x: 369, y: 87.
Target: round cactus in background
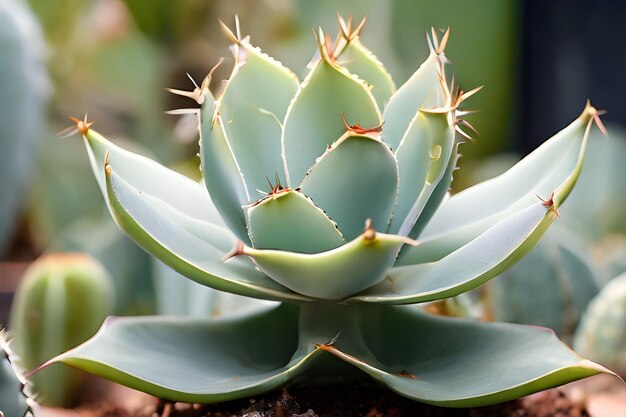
x: 602, y: 334
x: 62, y: 301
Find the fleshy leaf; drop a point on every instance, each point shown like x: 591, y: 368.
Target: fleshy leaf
x: 354, y: 180
x: 423, y: 156
x: 222, y: 175
x: 193, y: 248
x: 196, y: 360
x: 555, y: 165
x: 359, y: 60
x: 288, y: 220
x: 253, y: 106
x: 468, y: 267
x: 334, y: 274
x: 152, y: 178
x: 313, y: 120
x: 458, y: 363
x: 423, y: 90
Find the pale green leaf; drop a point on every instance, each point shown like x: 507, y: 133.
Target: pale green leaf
x: 313, y: 120
x: 253, y: 106
x: 196, y: 360
x: 454, y: 362
x: 290, y: 221
x: 359, y: 60
x: 222, y: 174
x: 552, y: 168
x: 191, y: 247
x: 422, y: 90
x: 468, y: 267
x: 334, y: 274
x: 354, y: 180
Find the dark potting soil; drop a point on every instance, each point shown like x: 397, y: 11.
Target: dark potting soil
x: 367, y: 401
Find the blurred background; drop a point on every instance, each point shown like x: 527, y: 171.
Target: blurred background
x: 539, y: 63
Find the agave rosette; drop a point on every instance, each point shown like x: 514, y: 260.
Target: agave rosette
x: 355, y: 224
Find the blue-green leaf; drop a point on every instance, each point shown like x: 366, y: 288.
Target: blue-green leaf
x: 553, y: 167
x: 252, y: 108
x: 354, y: 180
x: 222, y: 174
x: 288, y: 220
x: 423, y: 156
x: 468, y: 267
x: 423, y: 90
x: 313, y: 120
x: 196, y: 360
x: 334, y: 274
x: 454, y: 362
x: 194, y: 248
x: 359, y: 60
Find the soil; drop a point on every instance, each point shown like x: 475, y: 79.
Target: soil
x: 367, y: 400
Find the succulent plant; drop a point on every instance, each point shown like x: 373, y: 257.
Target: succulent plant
x: 14, y: 387
x: 601, y: 333
x: 61, y: 302
x: 24, y: 86
x: 357, y: 170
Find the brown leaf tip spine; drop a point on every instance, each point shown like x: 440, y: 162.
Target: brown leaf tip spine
x: 369, y: 233
x: 236, y: 251
x: 549, y: 203
x: 358, y: 129
x: 595, y: 114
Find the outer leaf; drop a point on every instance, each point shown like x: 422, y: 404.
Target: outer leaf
x: 555, y: 165
x: 288, y: 220
x: 468, y: 267
x: 196, y: 360
x: 359, y: 60
x: 253, y: 105
x: 460, y: 363
x: 193, y: 248
x: 335, y: 274
x: 153, y: 179
x: 313, y: 120
x: 355, y: 180
x: 423, y: 156
x: 222, y: 175
x: 422, y: 90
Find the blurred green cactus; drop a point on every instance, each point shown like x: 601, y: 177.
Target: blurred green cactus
x: 24, y: 87
x: 602, y: 331
x: 62, y: 301
x: 128, y: 265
